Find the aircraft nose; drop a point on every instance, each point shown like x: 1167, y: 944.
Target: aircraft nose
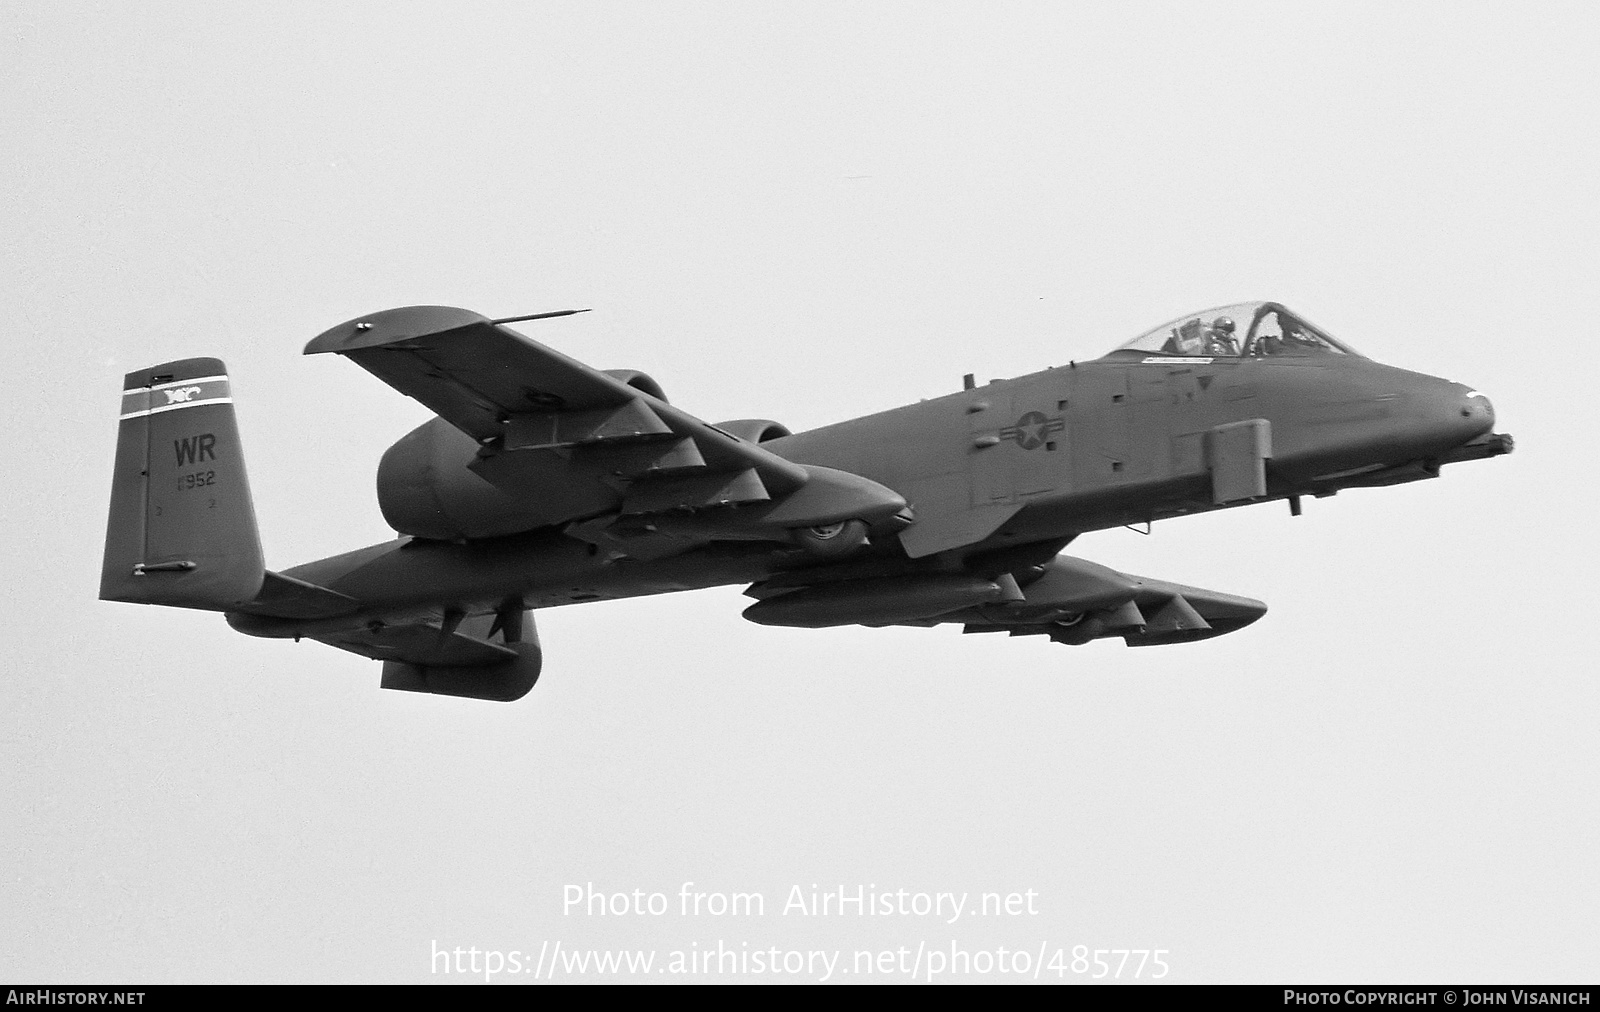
x: 1462, y: 414
x: 1476, y: 411
x: 1446, y: 414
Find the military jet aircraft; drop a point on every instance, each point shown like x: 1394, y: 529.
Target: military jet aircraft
x: 545, y: 482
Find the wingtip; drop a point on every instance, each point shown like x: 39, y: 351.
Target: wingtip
x: 377, y: 329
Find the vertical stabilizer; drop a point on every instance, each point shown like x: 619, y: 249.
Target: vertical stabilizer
x: 182, y: 529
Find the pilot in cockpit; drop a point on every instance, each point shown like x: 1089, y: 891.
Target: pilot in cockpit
x: 1220, y: 339
x: 1263, y: 329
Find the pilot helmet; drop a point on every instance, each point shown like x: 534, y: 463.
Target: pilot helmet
x: 1222, y: 324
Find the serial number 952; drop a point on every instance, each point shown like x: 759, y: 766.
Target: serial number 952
x: 196, y: 479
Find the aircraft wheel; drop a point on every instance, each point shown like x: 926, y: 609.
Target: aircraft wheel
x: 830, y: 541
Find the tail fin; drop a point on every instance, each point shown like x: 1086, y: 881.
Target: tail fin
x: 182, y: 529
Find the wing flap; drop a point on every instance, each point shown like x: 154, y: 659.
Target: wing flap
x: 420, y: 643
x: 552, y: 430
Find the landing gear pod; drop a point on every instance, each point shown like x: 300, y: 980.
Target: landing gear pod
x: 831, y: 541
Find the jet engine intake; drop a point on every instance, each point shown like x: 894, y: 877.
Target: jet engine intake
x: 639, y: 381
x: 755, y: 430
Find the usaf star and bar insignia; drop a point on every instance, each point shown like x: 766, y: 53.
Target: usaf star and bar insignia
x: 1033, y: 429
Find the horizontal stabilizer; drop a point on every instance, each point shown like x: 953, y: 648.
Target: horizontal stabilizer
x: 419, y: 643
x: 464, y: 661
x: 286, y: 597
x: 493, y: 655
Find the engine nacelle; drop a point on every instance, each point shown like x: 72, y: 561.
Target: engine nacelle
x: 755, y: 430
x: 429, y: 486
x: 639, y: 381
x: 426, y: 490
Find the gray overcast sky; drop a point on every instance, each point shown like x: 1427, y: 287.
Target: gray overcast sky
x: 808, y: 212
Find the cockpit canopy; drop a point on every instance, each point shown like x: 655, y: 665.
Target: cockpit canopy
x: 1243, y: 330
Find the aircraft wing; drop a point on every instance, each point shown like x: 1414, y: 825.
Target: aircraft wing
x: 496, y: 384
x: 572, y: 443
x: 1144, y: 612
x: 1070, y: 600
